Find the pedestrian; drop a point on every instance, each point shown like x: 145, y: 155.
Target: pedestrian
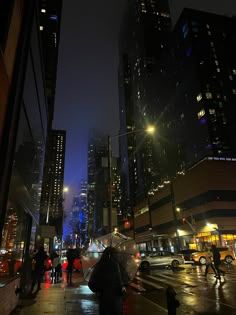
x: 56, y: 263
x: 109, y: 280
x: 70, y: 259
x: 172, y: 301
x: 38, y: 266
x: 209, y: 262
x: 216, y: 259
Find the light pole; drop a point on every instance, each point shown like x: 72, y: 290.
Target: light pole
x: 149, y: 130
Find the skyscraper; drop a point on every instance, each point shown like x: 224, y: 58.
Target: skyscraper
x: 199, y: 118
x: 144, y: 35
x: 50, y: 23
x: 51, y: 211
x: 83, y: 212
x: 74, y: 221
x: 97, y: 182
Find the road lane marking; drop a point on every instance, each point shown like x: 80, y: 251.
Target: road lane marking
x: 149, y: 283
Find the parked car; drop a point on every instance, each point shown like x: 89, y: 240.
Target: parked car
x: 146, y: 253
x: 162, y: 258
x: 187, y: 254
x: 226, y: 255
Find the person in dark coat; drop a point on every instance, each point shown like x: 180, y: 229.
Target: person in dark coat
x: 39, y: 259
x: 109, y: 280
x: 216, y: 259
x: 70, y: 258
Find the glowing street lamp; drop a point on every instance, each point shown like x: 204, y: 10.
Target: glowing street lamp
x: 150, y: 129
x: 65, y: 189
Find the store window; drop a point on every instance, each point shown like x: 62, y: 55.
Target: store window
x: 23, y: 200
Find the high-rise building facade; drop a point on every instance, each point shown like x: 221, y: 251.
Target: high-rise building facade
x: 197, y: 125
x: 23, y: 130
x: 144, y: 35
x: 99, y: 185
x: 199, y: 118
x: 83, y: 213
x: 74, y: 222
x: 51, y: 211
x: 50, y: 24
x: 97, y: 181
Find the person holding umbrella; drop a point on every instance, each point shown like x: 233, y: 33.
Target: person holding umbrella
x: 109, y: 280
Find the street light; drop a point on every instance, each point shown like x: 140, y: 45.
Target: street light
x: 149, y: 130
x: 65, y: 189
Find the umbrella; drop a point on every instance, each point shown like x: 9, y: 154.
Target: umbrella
x: 127, y: 253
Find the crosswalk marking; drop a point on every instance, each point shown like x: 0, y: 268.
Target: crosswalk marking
x: 149, y: 283
x: 176, y: 279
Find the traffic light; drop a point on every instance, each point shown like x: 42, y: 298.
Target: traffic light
x: 127, y: 225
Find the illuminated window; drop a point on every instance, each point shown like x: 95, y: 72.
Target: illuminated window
x: 212, y: 111
x: 199, y: 97
x: 208, y: 95
x: 201, y: 113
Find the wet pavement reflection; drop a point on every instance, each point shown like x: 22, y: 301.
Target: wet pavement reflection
x: 197, y: 294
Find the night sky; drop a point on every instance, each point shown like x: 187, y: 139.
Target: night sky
x: 87, y: 87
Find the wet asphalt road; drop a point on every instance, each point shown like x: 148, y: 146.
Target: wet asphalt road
x: 146, y: 295
x: 197, y: 294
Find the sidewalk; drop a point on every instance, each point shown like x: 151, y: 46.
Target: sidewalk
x: 77, y: 299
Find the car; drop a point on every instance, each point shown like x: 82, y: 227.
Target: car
x: 162, y: 258
x: 187, y: 254
x: 145, y: 253
x: 226, y: 255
